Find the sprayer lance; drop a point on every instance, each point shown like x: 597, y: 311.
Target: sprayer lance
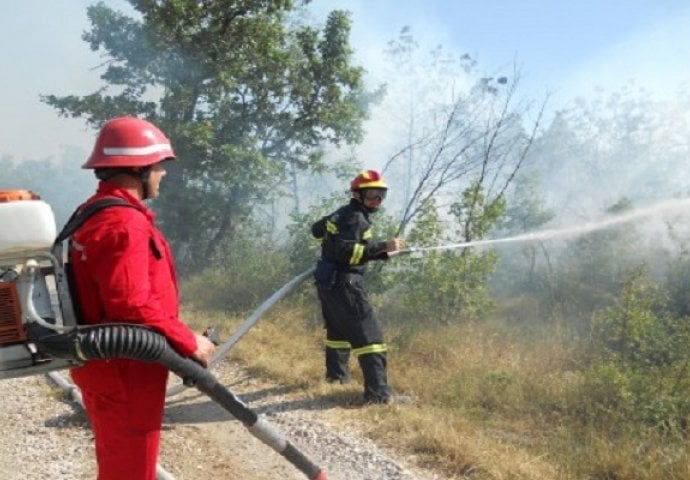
x: 405, y: 251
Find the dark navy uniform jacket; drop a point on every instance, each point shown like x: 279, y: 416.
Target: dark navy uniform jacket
x: 347, y: 239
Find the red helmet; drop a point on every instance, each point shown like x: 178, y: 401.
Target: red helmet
x: 129, y: 142
x: 367, y: 179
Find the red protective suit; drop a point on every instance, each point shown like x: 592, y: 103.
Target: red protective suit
x: 124, y: 272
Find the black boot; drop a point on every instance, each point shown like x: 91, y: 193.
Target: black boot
x: 376, y: 388
x: 337, y: 369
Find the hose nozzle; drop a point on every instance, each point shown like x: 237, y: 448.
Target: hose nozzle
x: 405, y: 251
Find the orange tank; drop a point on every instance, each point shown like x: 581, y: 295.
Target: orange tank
x: 14, y: 195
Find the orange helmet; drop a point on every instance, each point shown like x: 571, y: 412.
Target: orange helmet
x: 367, y: 179
x: 129, y: 142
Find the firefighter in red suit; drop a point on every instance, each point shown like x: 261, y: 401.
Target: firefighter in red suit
x: 124, y: 272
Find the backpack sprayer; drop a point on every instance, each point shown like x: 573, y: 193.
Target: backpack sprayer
x: 27, y: 267
x: 39, y: 331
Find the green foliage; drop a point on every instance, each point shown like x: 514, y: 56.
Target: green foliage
x: 248, y: 97
x: 242, y: 274
x: 448, y: 286
x: 524, y: 267
x: 639, y: 330
x: 428, y: 229
x: 476, y: 213
x: 303, y: 247
x: 639, y: 374
x: 591, y: 269
x: 526, y: 210
x: 677, y: 283
x: 451, y: 284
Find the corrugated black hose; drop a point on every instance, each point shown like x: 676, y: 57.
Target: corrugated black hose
x: 140, y: 343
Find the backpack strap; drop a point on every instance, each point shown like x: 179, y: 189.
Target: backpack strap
x: 81, y: 215
x: 69, y: 304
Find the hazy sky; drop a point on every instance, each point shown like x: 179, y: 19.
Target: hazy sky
x: 563, y: 47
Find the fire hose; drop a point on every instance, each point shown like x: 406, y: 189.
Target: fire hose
x: 140, y: 343
x: 250, y: 322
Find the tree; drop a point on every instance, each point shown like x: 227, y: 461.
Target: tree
x: 525, y: 213
x: 247, y: 98
x: 464, y: 142
x: 591, y: 268
x: 627, y: 143
x: 453, y: 284
x: 463, y: 131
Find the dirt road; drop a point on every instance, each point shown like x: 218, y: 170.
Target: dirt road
x: 46, y: 436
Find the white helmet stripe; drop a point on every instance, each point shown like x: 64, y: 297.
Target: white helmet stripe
x: 137, y: 151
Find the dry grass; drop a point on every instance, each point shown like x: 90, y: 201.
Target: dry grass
x: 437, y: 431
x: 489, y: 403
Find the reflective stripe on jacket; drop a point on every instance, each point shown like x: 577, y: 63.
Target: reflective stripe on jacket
x: 346, y: 238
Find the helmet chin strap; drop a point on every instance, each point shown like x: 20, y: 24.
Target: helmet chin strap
x: 144, y: 176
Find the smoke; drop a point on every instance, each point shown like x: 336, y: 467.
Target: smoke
x: 647, y: 43
x: 653, y: 56
x: 651, y: 212
x: 43, y: 53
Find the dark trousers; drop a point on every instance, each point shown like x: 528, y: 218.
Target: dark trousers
x: 352, y: 327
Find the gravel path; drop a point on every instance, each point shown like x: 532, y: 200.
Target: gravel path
x: 43, y: 435
x: 47, y: 436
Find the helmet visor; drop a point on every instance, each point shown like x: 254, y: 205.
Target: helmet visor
x: 374, y: 193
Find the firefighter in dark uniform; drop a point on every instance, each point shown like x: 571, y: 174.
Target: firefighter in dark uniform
x: 347, y: 246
